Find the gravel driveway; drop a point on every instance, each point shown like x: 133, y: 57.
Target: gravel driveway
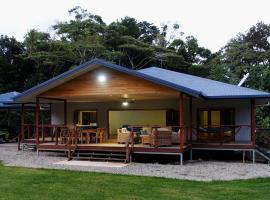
x: 200, y: 170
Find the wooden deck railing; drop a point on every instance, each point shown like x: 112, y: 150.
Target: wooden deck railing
x: 129, y: 145
x: 27, y: 132
x: 186, y: 136
x: 223, y: 133
x: 72, y: 142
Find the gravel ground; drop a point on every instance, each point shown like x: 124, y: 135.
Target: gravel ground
x: 197, y: 170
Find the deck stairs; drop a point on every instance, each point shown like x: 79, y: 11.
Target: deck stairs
x: 28, y: 146
x: 100, y: 156
x: 263, y: 153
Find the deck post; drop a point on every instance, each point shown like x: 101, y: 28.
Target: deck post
x: 181, y: 120
x: 244, y: 156
x: 253, y: 156
x: 22, y: 123
x: 190, y: 119
x: 65, y: 112
x: 253, y: 122
x: 37, y: 120
x: 190, y: 155
x: 181, y: 159
x: 130, y: 158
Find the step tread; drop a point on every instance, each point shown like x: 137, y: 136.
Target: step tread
x: 101, y: 154
x: 98, y: 158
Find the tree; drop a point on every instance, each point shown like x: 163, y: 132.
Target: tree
x: 249, y: 52
x: 246, y: 53
x: 191, y: 50
x: 12, y: 69
x: 85, y: 34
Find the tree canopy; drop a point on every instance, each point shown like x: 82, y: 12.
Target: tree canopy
x: 133, y: 44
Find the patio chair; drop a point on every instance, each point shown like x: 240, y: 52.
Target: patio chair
x: 122, y: 135
x: 158, y: 137
x: 64, y: 134
x: 100, y: 136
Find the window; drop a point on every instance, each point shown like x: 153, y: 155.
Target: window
x: 214, y: 118
x: 203, y: 119
x: 86, y: 117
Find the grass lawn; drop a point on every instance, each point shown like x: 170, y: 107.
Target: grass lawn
x: 23, y: 183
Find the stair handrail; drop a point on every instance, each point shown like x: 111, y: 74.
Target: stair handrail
x: 73, y: 136
x: 129, y: 145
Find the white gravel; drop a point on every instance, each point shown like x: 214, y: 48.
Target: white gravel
x: 199, y: 170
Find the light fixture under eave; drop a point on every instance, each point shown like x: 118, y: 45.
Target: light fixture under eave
x: 125, y: 103
x: 101, y: 78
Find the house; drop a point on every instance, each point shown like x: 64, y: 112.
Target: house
x: 102, y: 107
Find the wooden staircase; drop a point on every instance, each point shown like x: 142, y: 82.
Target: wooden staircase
x: 100, y: 156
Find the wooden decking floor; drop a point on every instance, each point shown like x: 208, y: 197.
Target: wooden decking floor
x: 145, y: 148
x: 138, y: 148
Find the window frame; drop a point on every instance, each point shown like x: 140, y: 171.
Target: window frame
x: 209, y: 115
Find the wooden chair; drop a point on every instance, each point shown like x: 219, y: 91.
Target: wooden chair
x: 64, y: 134
x: 100, y: 135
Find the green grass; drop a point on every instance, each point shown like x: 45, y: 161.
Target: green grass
x: 42, y: 184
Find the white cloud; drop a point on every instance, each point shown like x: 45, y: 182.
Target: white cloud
x: 212, y: 22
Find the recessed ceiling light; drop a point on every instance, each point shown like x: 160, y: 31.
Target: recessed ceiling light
x: 102, y: 78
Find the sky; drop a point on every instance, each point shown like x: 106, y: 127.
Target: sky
x: 212, y: 22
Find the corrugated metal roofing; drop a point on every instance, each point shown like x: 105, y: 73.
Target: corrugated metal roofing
x: 7, y: 98
x: 208, y: 88
x: 192, y: 85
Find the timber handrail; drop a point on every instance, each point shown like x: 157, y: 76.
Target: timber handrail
x: 19, y: 141
x: 129, y: 146
x: 73, y: 138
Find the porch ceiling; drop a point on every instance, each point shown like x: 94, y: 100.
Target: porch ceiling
x: 114, y: 87
x: 116, y: 97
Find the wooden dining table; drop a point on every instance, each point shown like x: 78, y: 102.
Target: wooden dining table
x: 86, y: 133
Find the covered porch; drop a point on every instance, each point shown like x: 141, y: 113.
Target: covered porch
x: 180, y: 133
x: 112, y: 109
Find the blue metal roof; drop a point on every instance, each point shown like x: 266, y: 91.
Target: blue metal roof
x: 7, y: 98
x: 192, y: 85
x: 208, y: 88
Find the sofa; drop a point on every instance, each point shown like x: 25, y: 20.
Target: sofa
x: 158, y: 137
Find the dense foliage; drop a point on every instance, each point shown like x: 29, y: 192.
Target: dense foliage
x: 134, y: 44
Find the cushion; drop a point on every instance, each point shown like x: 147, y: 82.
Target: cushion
x: 163, y: 129
x: 146, y: 130
x: 124, y: 130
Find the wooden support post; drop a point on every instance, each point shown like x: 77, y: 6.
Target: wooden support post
x: 22, y: 124
x: 43, y: 130
x: 65, y: 112
x: 253, y: 122
x: 181, y: 122
x: 253, y: 157
x: 50, y: 112
x: 190, y: 119
x: 56, y: 134
x: 69, y: 150
x: 28, y: 131
x: 37, y: 121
